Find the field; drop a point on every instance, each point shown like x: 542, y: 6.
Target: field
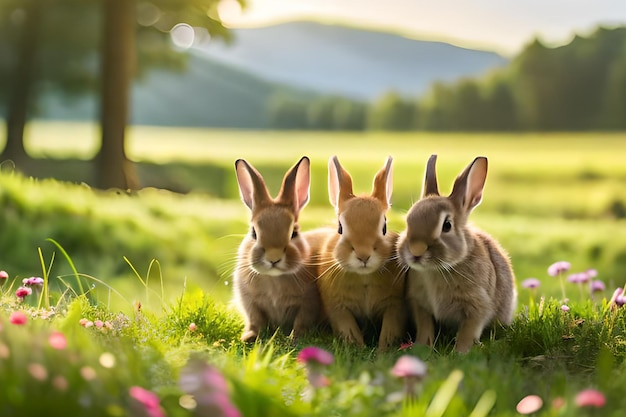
x: 549, y: 197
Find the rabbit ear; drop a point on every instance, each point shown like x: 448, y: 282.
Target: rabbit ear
x: 339, y: 183
x: 252, y: 188
x: 383, y: 183
x: 468, y: 186
x: 296, y: 184
x: 430, y: 186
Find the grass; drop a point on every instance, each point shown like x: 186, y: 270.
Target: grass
x: 143, y: 267
x: 107, y: 354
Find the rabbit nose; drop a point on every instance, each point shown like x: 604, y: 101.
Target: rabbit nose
x: 274, y: 256
x: 417, y: 249
x: 363, y: 259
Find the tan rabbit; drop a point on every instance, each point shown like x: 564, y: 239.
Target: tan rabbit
x: 359, y: 281
x: 274, y: 283
x: 458, y: 274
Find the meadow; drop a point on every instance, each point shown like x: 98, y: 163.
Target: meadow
x: 143, y: 267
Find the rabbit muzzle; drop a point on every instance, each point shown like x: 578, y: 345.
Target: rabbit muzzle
x: 272, y: 262
x: 415, y: 255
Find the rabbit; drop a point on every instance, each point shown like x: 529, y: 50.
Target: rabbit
x: 458, y: 274
x: 274, y: 282
x: 359, y: 281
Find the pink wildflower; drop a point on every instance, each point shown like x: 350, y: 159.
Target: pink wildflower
x: 3, y: 275
x: 18, y: 318
x: 98, y: 324
x: 148, y: 399
x: 597, y: 286
x: 37, y: 371
x: 22, y: 292
x: 408, y: 365
x: 83, y: 321
x: 529, y: 404
x: 558, y: 403
x: 531, y: 283
x: 314, y: 358
x: 406, y: 345
x: 590, y: 398
x: 209, y: 388
x: 60, y: 383
x: 315, y: 354
x: 57, y: 340
x: 578, y: 278
x: 88, y: 373
x: 558, y: 268
x: 193, y: 327
x: 32, y: 281
x: 565, y: 308
x: 618, y: 298
x: 412, y: 370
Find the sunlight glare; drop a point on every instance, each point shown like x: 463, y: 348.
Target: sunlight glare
x: 228, y: 10
x: 183, y: 35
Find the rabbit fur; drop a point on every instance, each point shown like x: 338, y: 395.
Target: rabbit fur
x: 359, y: 278
x: 274, y: 282
x: 457, y: 274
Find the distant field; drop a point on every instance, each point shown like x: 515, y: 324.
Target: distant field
x: 562, y: 175
x: 548, y: 196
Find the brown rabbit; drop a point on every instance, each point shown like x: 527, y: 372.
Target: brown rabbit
x: 274, y: 283
x: 458, y: 274
x: 358, y: 279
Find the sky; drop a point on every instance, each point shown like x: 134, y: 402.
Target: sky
x: 504, y: 26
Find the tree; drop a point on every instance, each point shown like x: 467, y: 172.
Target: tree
x: 435, y: 107
x: 500, y: 107
x: 39, y: 49
x: 119, y: 54
x: 467, y: 107
x: 118, y: 63
x: 392, y: 112
x: 349, y: 114
x: 21, y: 89
x: 285, y: 112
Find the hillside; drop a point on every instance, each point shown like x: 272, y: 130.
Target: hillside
x: 207, y: 94
x: 355, y: 62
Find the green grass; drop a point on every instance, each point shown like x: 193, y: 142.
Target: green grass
x: 548, y: 198
x: 546, y: 352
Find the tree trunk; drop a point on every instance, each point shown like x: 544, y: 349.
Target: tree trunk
x: 23, y: 79
x: 113, y: 169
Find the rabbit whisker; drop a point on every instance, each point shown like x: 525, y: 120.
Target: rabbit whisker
x: 461, y: 274
x: 440, y: 268
x: 332, y: 272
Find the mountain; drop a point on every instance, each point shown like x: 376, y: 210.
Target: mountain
x: 208, y: 93
x: 349, y: 61
x: 232, y: 86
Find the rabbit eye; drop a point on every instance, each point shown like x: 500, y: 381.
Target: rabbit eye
x: 447, y: 226
x: 253, y: 233
x: 385, y: 228
x: 340, y: 229
x: 294, y: 234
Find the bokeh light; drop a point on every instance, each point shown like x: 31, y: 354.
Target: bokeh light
x: 183, y: 35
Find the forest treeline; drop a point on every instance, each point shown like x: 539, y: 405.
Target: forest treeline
x: 579, y: 86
